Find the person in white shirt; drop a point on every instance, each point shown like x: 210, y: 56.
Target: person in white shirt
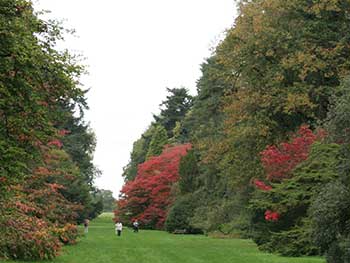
x: 136, y: 226
x: 118, y: 228
x: 86, y: 226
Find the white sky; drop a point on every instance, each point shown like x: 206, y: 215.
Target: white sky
x: 134, y: 49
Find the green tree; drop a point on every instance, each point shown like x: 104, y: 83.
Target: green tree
x: 109, y: 201
x: 189, y: 173
x: 180, y: 214
x: 331, y: 209
x: 292, y: 198
x: 281, y: 72
x: 37, y: 177
x: 79, y: 142
x: 158, y: 140
x: 138, y: 154
x: 173, y: 109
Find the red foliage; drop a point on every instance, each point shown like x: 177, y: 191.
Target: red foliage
x: 280, y: 161
x: 271, y: 216
x: 147, y: 198
x: 56, y: 143
x: 261, y: 185
x: 63, y: 132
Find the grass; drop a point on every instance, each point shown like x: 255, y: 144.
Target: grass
x: 101, y: 245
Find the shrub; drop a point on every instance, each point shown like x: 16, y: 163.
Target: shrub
x: 330, y: 214
x: 67, y: 234
x: 291, y: 198
x: 27, y: 238
x: 180, y: 214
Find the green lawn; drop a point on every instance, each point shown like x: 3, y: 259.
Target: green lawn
x: 101, y: 245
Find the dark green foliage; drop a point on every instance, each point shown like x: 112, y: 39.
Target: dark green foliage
x: 174, y: 109
x: 219, y: 214
x: 330, y: 214
x: 161, y: 132
x: 179, y: 215
x: 189, y: 173
x: 278, y: 68
x: 43, y: 186
x: 293, y: 242
x: 338, y: 119
x: 95, y: 207
x: 290, y: 235
x: 79, y: 142
x: 203, y: 126
x: 205, y: 116
x: 138, y: 154
x: 158, y: 141
x: 108, y: 200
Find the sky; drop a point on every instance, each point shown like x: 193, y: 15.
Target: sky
x: 134, y: 50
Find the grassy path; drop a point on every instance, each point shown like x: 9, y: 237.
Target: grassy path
x: 101, y: 245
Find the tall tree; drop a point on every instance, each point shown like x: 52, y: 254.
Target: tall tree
x: 138, y: 154
x: 174, y: 108
x: 158, y: 141
x: 36, y: 173
x: 148, y: 197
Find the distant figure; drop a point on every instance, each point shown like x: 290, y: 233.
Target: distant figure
x: 86, y: 226
x: 118, y: 228
x: 135, y: 224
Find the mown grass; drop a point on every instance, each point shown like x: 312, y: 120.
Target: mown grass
x: 101, y: 245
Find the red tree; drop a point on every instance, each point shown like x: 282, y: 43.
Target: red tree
x: 147, y: 198
x: 280, y: 161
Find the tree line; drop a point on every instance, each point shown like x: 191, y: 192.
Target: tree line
x: 46, y: 147
x: 266, y: 136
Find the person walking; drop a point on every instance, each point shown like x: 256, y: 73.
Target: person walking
x: 118, y: 228
x: 86, y: 226
x: 136, y: 226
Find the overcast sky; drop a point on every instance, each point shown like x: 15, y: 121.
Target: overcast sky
x: 134, y: 49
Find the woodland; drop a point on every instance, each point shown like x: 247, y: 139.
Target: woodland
x: 262, y: 151
x: 46, y: 147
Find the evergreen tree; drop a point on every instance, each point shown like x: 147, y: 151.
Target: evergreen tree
x: 158, y: 141
x: 189, y: 173
x: 173, y: 109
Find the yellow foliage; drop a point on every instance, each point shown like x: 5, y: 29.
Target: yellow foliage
x: 297, y: 103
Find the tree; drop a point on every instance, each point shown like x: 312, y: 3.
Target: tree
x: 280, y: 212
x: 180, y: 214
x: 279, y: 72
x: 173, y: 109
x: 279, y: 162
x: 189, y: 173
x: 331, y: 209
x: 158, y: 141
x: 36, y: 174
x: 107, y: 199
x: 138, y: 154
x: 79, y: 141
x: 147, y: 198
x: 330, y: 214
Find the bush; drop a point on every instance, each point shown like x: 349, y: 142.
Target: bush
x: 292, y: 198
x: 27, y: 238
x: 330, y: 214
x: 179, y: 216
x: 67, y: 234
x: 295, y: 242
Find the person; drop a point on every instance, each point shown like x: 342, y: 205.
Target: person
x: 136, y: 226
x: 118, y: 228
x: 86, y: 226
